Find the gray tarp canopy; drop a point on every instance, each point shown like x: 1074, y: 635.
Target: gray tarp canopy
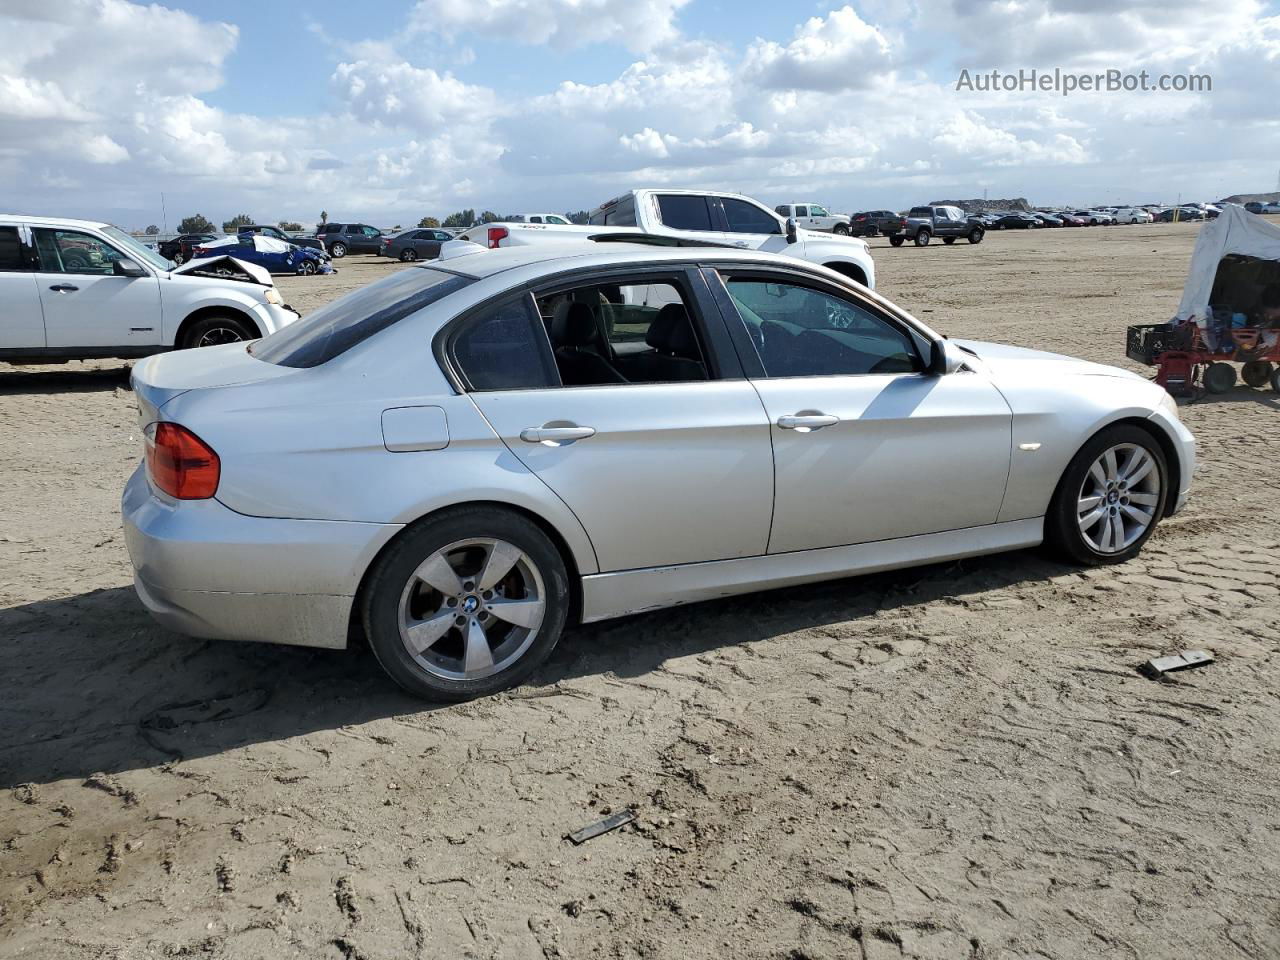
x: 1235, y: 231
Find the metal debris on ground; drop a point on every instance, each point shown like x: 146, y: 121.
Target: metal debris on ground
x: 1185, y: 660
x: 602, y: 826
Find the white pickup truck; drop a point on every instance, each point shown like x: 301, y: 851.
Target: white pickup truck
x: 814, y: 216
x: 724, y: 219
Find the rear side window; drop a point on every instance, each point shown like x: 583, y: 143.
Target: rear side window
x: 506, y: 348
x: 683, y: 212
x: 340, y: 325
x: 11, y: 253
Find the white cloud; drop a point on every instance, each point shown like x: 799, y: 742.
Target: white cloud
x: 404, y: 95
x: 639, y: 25
x: 838, y: 52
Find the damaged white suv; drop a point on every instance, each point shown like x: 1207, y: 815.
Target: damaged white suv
x: 79, y: 289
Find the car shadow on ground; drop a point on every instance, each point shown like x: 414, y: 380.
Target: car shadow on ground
x: 90, y: 684
x: 73, y: 379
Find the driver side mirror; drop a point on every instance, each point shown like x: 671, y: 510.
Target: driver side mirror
x: 946, y: 358
x: 791, y: 229
x: 124, y: 267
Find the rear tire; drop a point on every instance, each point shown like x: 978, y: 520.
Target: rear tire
x: 409, y: 255
x: 922, y: 238
x: 413, y: 625
x: 840, y: 230
x: 1256, y: 373
x: 338, y: 250
x: 216, y: 329
x: 179, y: 259
x: 1071, y: 528
x: 948, y: 240
x: 1219, y: 377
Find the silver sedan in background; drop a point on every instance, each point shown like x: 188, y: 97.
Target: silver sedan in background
x: 467, y: 456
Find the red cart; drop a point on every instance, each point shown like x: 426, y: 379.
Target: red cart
x: 1182, y: 356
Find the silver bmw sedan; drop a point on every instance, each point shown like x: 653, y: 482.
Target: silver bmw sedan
x: 466, y: 457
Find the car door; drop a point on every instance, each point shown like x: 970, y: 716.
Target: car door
x: 86, y: 304
x: 867, y: 444
x: 820, y: 219
x: 675, y: 469
x: 748, y: 225
x: 369, y: 239
x: 21, y: 317
x: 692, y: 216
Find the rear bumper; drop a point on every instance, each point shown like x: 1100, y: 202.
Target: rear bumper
x: 202, y: 569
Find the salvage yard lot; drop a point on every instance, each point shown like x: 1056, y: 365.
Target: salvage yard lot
x: 954, y: 761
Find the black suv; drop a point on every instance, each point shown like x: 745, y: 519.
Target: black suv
x: 339, y: 239
x: 871, y: 223
x: 278, y: 234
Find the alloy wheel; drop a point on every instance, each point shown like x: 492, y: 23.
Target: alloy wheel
x: 218, y: 335
x: 1119, y: 497
x: 472, y: 609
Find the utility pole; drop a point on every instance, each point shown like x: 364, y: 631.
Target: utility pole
x: 164, y: 216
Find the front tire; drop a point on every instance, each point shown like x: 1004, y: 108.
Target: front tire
x: 1219, y: 377
x: 1110, y: 497
x: 975, y: 236
x: 948, y: 240
x: 179, y: 259
x: 215, y: 330
x: 1256, y: 373
x: 338, y: 251
x: 897, y: 240
x: 466, y: 604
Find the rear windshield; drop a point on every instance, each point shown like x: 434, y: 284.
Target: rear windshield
x: 617, y: 213
x: 922, y: 211
x: 340, y: 325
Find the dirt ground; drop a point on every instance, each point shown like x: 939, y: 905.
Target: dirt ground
x: 958, y: 761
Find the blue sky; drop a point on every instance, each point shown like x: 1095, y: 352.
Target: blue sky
x: 390, y: 111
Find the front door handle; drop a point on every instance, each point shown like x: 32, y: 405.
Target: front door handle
x: 64, y: 287
x: 804, y: 422
x: 556, y: 434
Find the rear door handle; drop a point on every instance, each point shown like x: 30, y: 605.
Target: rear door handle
x: 63, y: 287
x: 804, y: 422
x: 556, y: 434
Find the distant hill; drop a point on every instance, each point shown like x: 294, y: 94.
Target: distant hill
x: 1242, y: 198
x: 971, y: 206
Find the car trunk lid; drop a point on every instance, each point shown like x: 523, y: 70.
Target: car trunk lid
x: 158, y: 379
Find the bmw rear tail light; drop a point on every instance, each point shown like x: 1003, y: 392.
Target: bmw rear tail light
x: 496, y: 236
x: 180, y: 463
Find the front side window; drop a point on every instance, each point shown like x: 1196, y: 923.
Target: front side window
x: 349, y: 320
x: 743, y: 217
x: 370, y: 232
x: 70, y: 251
x: 505, y: 348
x: 802, y: 331
x: 818, y: 212
x: 12, y: 256
x: 559, y: 220
x: 683, y: 212
x: 625, y: 331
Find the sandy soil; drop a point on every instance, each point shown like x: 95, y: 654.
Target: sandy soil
x: 952, y: 762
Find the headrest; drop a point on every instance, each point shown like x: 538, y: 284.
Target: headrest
x: 671, y: 332
x: 575, y: 327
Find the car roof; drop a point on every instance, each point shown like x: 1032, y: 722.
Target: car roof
x: 488, y: 263
x: 53, y: 221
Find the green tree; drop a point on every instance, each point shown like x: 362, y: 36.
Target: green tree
x: 236, y: 222
x: 581, y: 217
x: 152, y: 230
x: 463, y: 218
x: 489, y: 217
x: 289, y: 226
x: 428, y: 222
x: 195, y: 224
